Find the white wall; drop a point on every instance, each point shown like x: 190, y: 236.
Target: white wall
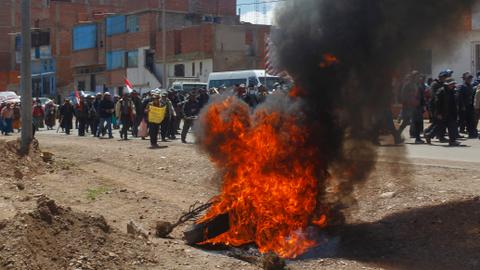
x: 140, y: 77
x: 460, y: 57
x: 202, y: 76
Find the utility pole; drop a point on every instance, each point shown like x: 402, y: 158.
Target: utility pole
x: 164, y: 45
x: 26, y: 79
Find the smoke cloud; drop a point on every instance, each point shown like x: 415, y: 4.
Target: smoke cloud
x: 373, y: 41
x: 297, y: 158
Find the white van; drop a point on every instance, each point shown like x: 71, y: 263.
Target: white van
x: 250, y: 78
x: 188, y: 86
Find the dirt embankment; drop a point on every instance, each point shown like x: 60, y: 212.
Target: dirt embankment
x: 15, y: 165
x: 47, y: 236
x: 54, y: 237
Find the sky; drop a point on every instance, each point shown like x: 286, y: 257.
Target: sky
x: 248, y: 11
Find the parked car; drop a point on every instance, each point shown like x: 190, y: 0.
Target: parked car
x: 44, y: 100
x: 9, y: 96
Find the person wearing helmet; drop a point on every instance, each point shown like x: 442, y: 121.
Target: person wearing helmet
x: 436, y: 85
x: 466, y: 113
x: 445, y: 113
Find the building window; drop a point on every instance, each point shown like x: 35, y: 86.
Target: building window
x: 115, y: 60
x: 179, y: 70
x: 201, y: 68
x: 116, y: 25
x: 84, y: 37
x: 40, y: 38
x: 132, y: 59
x: 193, y: 69
x: 132, y: 23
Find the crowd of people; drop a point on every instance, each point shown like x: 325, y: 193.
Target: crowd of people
x: 453, y: 108
x: 99, y: 115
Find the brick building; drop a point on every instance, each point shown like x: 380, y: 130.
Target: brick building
x: 93, y: 45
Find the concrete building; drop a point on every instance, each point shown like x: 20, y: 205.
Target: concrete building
x: 194, y: 52
x: 459, y: 51
x: 94, y: 45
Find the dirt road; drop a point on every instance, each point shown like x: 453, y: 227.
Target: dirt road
x: 415, y: 213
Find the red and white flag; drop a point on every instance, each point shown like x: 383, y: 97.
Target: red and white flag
x: 129, y: 86
x: 77, y: 95
x: 271, y: 62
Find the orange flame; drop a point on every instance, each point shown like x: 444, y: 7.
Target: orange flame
x: 296, y: 92
x: 269, y: 185
x: 328, y: 60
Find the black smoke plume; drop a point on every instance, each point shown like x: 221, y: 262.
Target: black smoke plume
x: 343, y: 56
x: 372, y: 40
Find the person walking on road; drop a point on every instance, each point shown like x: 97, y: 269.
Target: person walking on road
x: 466, y: 110
x: 445, y: 113
x: 167, y: 123
x: 50, y: 114
x: 81, y: 113
x: 6, y: 115
x: 436, y: 85
x: 191, y: 109
x: 38, y: 114
x: 413, y: 104
x: 106, y: 110
x: 125, y: 112
x: 153, y: 126
x: 96, y: 117
x: 66, y: 116
x: 137, y: 101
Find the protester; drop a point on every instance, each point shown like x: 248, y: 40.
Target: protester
x: 17, y: 122
x: 125, y: 112
x: 177, y: 102
x: 106, y: 110
x: 115, y: 121
x: 81, y: 114
x: 153, y: 124
x: 96, y: 117
x: 190, y: 110
x: 66, y: 116
x: 466, y: 111
x: 436, y: 85
x: 50, y: 114
x: 262, y: 94
x: 203, y: 97
x: 38, y: 114
x: 6, y: 115
x: 167, y: 123
x: 91, y: 114
x: 413, y: 104
x: 445, y: 113
x: 137, y: 102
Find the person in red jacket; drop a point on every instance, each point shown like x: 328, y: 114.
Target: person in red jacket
x: 38, y: 114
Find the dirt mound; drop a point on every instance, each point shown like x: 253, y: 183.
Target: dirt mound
x: 13, y: 164
x: 53, y: 237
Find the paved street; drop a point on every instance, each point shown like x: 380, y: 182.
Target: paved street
x: 469, y: 151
